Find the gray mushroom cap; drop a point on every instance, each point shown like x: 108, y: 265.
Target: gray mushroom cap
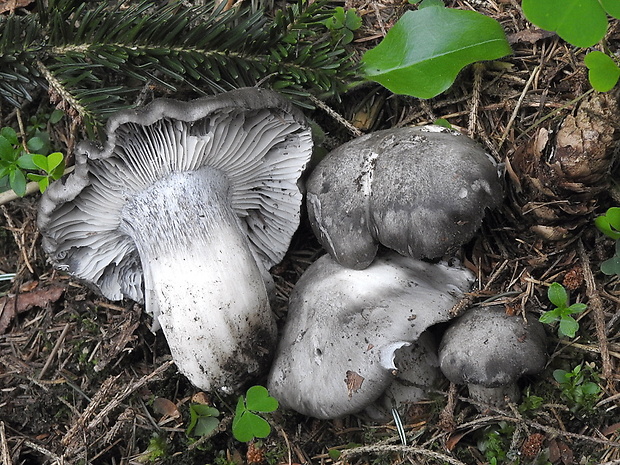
x: 184, y: 208
x: 336, y: 354
x: 420, y: 191
x: 489, y: 350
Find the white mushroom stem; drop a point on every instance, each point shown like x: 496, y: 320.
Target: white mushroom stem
x: 201, y: 280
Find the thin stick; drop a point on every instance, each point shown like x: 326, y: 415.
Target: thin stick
x: 5, y: 456
x: 387, y: 448
x: 513, y: 116
x: 55, y: 350
x: 596, y: 304
x: 338, y: 117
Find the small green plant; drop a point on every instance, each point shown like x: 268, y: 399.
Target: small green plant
x: 582, y: 23
x: 247, y: 424
x: 344, y: 23
x: 495, y: 442
x: 156, y: 450
x: 15, y: 162
x: 579, y: 386
x: 558, y: 296
x: 422, y: 54
x: 530, y: 401
x: 609, y: 224
x: 202, y: 420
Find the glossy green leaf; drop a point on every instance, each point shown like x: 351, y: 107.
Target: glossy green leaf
x: 603, y: 72
x: 557, y: 295
x: 424, y: 51
x: 580, y: 22
x: 54, y: 160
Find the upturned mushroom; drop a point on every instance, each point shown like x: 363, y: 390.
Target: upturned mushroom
x: 420, y: 191
x: 185, y: 208
x: 344, y: 327
x: 489, y: 350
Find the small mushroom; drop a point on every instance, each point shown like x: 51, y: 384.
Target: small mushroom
x: 420, y: 191
x: 489, y: 350
x: 344, y: 327
x: 185, y: 208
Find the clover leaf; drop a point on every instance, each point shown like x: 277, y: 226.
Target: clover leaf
x: 247, y: 425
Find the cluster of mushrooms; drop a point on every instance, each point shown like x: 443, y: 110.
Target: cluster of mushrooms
x: 187, y: 206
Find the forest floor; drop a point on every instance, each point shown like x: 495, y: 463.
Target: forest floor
x: 84, y: 380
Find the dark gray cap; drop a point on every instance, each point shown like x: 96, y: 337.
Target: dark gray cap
x: 420, y: 191
x: 488, y: 350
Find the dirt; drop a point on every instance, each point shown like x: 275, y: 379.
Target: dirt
x: 83, y: 380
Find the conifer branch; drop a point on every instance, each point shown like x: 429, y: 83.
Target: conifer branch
x: 94, y: 59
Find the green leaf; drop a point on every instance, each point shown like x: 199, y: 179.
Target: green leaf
x: 203, y: 419
x: 603, y: 72
x: 590, y: 388
x: 39, y: 161
x: 611, y: 266
x: 54, y: 160
x: 609, y: 223
x: 17, y: 181
x: 26, y: 162
x: 35, y: 144
x: 561, y: 376
x: 424, y: 51
x: 582, y: 23
x: 612, y: 7
x: 568, y: 326
x: 557, y: 295
x: 56, y: 116
x: 549, y: 317
x: 6, y: 148
x: 10, y: 135
x: 577, y: 308
x: 257, y: 398
x: 249, y: 426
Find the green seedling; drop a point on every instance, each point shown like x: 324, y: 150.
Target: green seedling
x: 609, y: 224
x: 15, y: 162
x: 203, y: 420
x: 495, y: 442
x: 579, y: 386
x: 344, y: 23
x: 562, y: 312
x: 247, y: 424
x: 582, y: 23
x: 422, y: 54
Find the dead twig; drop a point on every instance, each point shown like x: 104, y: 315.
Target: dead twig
x: 596, y: 304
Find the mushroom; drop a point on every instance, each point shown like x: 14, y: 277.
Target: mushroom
x: 420, y: 191
x: 489, y: 350
x: 185, y: 208
x: 336, y: 354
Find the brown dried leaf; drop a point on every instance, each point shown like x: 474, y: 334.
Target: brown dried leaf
x: 354, y: 381
x: 165, y: 407
x: 13, y: 304
x: 12, y: 5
